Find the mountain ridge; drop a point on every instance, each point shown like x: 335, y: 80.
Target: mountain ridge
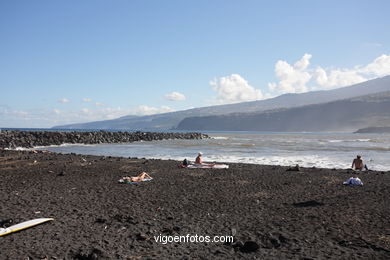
x: 172, y: 119
x: 340, y: 115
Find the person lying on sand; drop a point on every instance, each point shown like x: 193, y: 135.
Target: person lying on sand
x: 358, y: 164
x: 199, y: 160
x: 141, y: 177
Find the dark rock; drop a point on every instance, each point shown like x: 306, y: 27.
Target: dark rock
x: 275, y: 242
x: 100, y: 220
x: 95, y: 254
x: 176, y: 228
x: 249, y: 247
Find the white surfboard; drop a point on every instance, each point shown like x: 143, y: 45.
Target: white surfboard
x: 23, y: 225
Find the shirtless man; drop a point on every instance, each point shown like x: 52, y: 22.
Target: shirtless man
x: 358, y: 163
x: 199, y: 160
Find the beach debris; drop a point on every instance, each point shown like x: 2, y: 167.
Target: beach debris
x: 100, y: 220
x: 295, y: 168
x: 353, y: 182
x: 309, y: 203
x: 238, y: 244
x: 5, y: 223
x: 141, y: 236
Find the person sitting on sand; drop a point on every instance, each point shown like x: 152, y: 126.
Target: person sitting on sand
x: 358, y: 164
x: 199, y: 160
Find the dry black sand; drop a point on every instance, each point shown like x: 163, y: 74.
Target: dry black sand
x: 290, y: 215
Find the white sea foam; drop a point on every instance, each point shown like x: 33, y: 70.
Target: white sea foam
x: 307, y: 150
x: 349, y: 140
x: 219, y: 137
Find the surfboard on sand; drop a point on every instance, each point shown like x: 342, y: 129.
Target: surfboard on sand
x: 23, y: 225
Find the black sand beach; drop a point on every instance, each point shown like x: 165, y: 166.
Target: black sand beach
x: 290, y: 215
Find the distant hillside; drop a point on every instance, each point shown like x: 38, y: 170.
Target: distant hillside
x: 377, y: 130
x: 171, y: 120
x: 342, y: 115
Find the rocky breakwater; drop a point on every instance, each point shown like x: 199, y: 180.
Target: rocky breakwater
x: 29, y: 139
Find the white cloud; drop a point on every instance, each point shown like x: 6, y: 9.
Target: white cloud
x: 337, y: 77
x: 86, y: 100
x: 147, y: 110
x: 292, y: 78
x: 300, y: 78
x: 234, y: 88
x: 175, y: 96
x: 379, y: 67
x: 98, y: 104
x: 64, y: 100
x: 56, y: 111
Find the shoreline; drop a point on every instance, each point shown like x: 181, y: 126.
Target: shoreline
x: 288, y: 215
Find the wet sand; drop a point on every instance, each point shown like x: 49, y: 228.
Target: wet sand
x: 307, y: 214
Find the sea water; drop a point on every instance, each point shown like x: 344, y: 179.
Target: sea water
x: 326, y: 150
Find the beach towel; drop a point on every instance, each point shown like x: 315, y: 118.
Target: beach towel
x: 353, y: 182
x: 207, y: 166
x: 127, y: 180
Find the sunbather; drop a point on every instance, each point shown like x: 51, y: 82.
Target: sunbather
x: 358, y: 164
x: 199, y: 160
x: 141, y: 177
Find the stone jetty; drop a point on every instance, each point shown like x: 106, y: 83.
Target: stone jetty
x: 28, y: 139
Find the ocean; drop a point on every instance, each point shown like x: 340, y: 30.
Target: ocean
x: 325, y: 150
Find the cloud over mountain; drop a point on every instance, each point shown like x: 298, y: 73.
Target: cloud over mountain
x: 300, y: 77
x: 233, y: 89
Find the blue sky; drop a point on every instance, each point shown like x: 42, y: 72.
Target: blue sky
x: 76, y: 61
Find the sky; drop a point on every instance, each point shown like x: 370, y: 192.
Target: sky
x: 76, y: 61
